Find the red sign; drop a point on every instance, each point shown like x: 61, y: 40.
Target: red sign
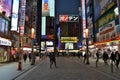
x: 63, y: 18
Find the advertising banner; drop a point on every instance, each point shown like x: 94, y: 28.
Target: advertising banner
x: 69, y: 39
x: 14, y: 21
x: 107, y: 32
x: 22, y: 16
x: 5, y: 42
x: 45, y: 8
x: 106, y: 18
x: 83, y: 18
x: 52, y: 8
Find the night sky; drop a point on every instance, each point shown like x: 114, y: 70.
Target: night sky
x: 66, y: 7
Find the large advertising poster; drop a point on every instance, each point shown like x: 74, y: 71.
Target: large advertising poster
x: 45, y: 8
x: 5, y: 5
x: 14, y: 21
x: 102, y: 6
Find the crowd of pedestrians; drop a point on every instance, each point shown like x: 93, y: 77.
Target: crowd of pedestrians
x: 109, y: 55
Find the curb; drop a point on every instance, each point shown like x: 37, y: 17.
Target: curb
x: 31, y: 67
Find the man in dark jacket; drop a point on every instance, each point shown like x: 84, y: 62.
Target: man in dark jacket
x: 112, y: 57
x: 105, y: 57
x: 52, y: 59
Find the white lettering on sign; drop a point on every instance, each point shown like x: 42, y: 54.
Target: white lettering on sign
x: 22, y: 15
x: 5, y: 42
x: 69, y: 18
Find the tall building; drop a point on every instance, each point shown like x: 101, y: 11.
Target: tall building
x: 106, y: 24
x: 67, y: 17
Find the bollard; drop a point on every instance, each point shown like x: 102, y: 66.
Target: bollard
x: 19, y: 66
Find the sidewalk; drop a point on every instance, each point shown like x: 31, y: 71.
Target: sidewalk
x: 101, y: 67
x: 10, y: 70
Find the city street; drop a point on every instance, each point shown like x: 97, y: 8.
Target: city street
x: 9, y: 71
x: 69, y: 68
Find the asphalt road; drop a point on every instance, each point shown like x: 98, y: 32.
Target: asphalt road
x: 68, y: 69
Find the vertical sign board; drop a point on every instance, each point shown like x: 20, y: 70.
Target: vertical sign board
x: 14, y: 21
x: 45, y: 8
x: 83, y: 18
x: 52, y: 8
x: 22, y: 16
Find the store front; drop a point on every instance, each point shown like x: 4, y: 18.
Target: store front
x: 5, y: 46
x: 108, y: 35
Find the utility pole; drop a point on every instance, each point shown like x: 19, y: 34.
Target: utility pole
x: 39, y: 19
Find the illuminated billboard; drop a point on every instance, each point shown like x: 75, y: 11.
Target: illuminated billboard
x: 14, y: 21
x: 83, y: 18
x: 22, y: 16
x: 52, y: 8
x: 49, y: 43
x: 45, y: 8
x: 68, y: 45
x: 5, y: 5
x: 69, y: 39
x: 68, y: 18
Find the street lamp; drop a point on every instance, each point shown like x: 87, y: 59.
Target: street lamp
x: 87, y: 50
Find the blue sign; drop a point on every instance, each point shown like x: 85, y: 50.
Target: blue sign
x: 80, y: 45
x: 45, y: 0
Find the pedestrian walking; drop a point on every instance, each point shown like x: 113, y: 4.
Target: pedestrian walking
x: 112, y: 57
x: 117, y: 56
x: 29, y: 55
x: 105, y: 57
x: 52, y: 59
x: 97, y: 56
x: 25, y: 57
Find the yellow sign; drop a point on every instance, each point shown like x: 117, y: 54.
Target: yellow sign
x: 69, y: 39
